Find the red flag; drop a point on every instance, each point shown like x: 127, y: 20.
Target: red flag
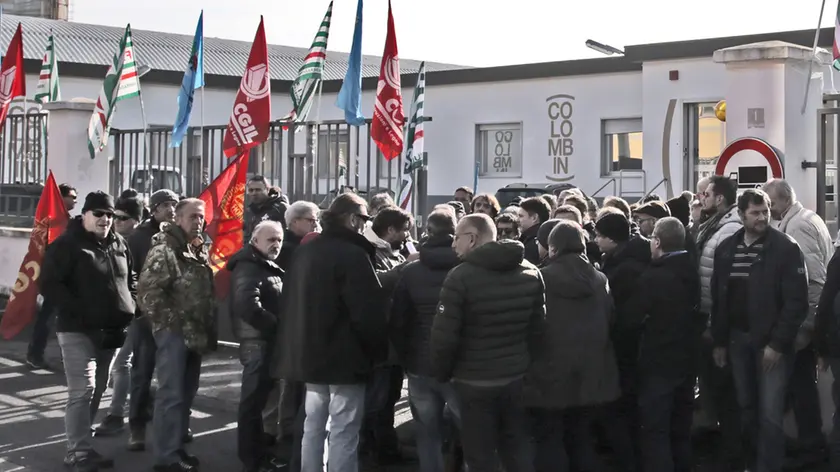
x: 50, y: 220
x: 12, y: 78
x: 251, y: 114
x: 225, y: 205
x: 388, y: 116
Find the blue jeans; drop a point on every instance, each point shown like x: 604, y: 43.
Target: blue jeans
x: 86, y: 369
x: 343, y: 406
x: 428, y: 398
x: 178, y: 371
x: 761, y: 396
x: 120, y: 376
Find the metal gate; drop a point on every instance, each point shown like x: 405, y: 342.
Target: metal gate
x: 308, y: 161
x: 828, y: 148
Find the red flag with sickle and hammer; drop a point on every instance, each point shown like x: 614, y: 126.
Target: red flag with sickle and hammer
x: 12, y: 78
x: 50, y: 221
x: 224, y: 201
x: 388, y: 117
x: 251, y: 116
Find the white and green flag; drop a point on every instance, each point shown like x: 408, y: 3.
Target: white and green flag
x: 48, y: 89
x: 310, y: 74
x: 121, y: 82
x: 414, y: 157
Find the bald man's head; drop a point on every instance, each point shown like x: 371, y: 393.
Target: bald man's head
x: 473, y: 231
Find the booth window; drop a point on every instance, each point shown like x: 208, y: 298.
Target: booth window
x: 499, y: 150
x: 333, y: 148
x: 621, y: 147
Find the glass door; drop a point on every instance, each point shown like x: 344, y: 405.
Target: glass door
x: 705, y: 138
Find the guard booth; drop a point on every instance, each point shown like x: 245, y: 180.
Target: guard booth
x: 828, y: 148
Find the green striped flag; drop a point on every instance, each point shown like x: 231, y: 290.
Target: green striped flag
x: 48, y: 90
x: 310, y: 73
x: 121, y: 82
x: 414, y: 158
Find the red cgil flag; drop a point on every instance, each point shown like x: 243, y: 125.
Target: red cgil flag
x: 50, y: 220
x: 251, y: 116
x: 224, y: 200
x: 388, y: 117
x: 12, y: 78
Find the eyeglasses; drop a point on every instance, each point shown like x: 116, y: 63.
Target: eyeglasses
x: 366, y: 218
x: 100, y: 214
x: 122, y: 217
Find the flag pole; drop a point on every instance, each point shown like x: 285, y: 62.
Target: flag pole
x: 203, y: 183
x: 146, y: 141
x: 318, y: 135
x: 813, y: 58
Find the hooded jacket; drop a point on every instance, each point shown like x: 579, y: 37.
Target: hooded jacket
x: 490, y: 317
x: 575, y: 363
x: 90, y: 283
x: 255, y: 296
x: 415, y: 303
x: 666, y: 309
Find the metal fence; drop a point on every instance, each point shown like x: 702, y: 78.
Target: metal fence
x: 23, y: 164
x: 307, y: 161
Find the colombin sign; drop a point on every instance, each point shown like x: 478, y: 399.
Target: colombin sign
x: 751, y: 162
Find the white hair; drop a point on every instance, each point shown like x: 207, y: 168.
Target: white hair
x: 300, y: 208
x: 275, y: 225
x: 782, y: 188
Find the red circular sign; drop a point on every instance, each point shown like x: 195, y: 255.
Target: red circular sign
x: 751, y: 144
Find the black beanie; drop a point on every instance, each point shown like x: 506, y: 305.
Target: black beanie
x: 680, y: 209
x: 613, y: 226
x: 654, y: 208
x: 545, y: 230
x: 132, y: 207
x: 98, y: 200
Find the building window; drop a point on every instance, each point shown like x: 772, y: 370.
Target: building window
x: 499, y: 150
x: 333, y: 148
x: 622, y: 145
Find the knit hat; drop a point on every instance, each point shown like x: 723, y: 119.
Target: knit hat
x: 162, y: 196
x: 545, y: 230
x: 680, y: 209
x: 613, y: 226
x: 98, y: 200
x: 132, y: 207
x: 654, y: 208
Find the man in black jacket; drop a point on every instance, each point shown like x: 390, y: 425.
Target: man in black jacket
x: 533, y: 212
x: 413, y: 310
x: 256, y: 287
x: 266, y: 203
x: 333, y: 332
x: 827, y: 340
x: 489, y: 319
x: 759, y: 300
x: 665, y: 307
x: 88, y: 274
x: 162, y: 203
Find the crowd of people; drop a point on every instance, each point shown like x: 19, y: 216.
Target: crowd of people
x: 530, y: 336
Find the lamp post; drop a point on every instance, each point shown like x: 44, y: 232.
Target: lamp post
x: 605, y: 49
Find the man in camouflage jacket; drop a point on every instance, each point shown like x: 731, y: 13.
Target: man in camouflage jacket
x: 175, y: 292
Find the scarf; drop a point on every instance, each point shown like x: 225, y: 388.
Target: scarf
x: 709, y: 227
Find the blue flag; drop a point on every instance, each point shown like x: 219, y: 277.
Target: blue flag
x: 193, y: 79
x: 350, y: 96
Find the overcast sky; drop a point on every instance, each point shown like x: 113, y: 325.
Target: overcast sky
x: 467, y: 32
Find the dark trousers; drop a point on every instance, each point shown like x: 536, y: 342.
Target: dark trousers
x: 291, y: 400
x: 257, y: 383
x: 805, y: 399
x: 563, y: 440
x: 142, y: 369
x: 717, y: 389
x: 382, y: 393
x: 666, y: 410
x: 620, y: 419
x: 834, y: 436
x: 40, y: 332
x: 762, y: 398
x: 494, y: 427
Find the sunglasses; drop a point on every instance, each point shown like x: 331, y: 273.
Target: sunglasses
x: 122, y: 217
x: 100, y: 213
x: 364, y: 217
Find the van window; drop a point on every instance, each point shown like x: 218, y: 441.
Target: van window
x: 160, y: 179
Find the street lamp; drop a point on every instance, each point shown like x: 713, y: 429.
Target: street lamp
x: 603, y: 48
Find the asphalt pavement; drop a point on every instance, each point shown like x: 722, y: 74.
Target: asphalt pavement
x: 32, y: 406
